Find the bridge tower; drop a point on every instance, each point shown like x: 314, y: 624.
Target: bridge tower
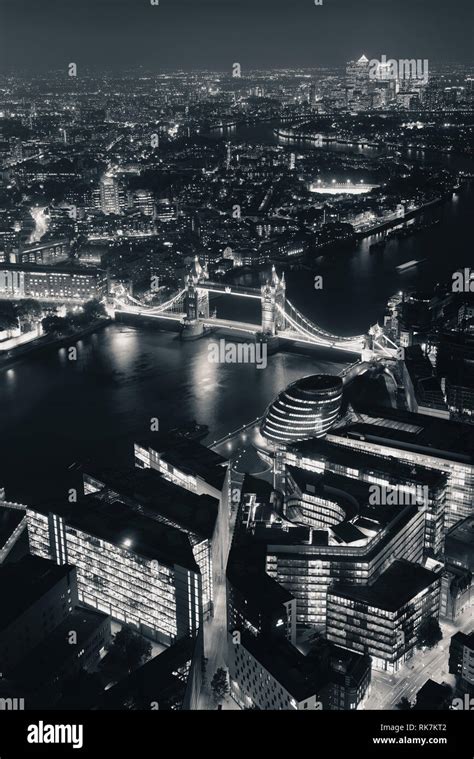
x: 196, y: 301
x: 273, y: 295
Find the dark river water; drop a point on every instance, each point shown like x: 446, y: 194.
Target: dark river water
x: 54, y: 412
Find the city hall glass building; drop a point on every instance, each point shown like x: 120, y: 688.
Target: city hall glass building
x: 307, y: 408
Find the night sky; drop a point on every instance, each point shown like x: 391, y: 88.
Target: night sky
x: 196, y: 34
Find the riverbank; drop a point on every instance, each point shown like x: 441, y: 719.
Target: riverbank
x: 409, y: 215
x: 45, y: 342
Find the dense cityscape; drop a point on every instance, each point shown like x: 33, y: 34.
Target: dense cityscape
x: 237, y: 387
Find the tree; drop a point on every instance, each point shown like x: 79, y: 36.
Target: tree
x: 219, y: 684
x: 94, y: 309
x: 28, y: 309
x: 429, y: 634
x: 7, y: 321
x: 404, y: 704
x: 55, y: 325
x: 130, y: 647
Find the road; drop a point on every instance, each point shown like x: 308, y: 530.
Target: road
x: 215, y: 629
x: 387, y: 690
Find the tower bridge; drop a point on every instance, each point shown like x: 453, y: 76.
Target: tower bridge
x: 280, y: 319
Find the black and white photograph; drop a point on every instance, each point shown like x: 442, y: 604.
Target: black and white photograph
x: 236, y: 373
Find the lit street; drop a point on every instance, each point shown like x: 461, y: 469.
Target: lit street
x: 388, y: 690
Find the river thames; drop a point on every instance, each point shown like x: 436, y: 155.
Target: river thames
x: 54, y: 412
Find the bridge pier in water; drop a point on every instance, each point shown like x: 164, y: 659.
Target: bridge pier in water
x: 280, y: 320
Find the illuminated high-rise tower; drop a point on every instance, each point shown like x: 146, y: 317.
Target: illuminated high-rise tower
x: 357, y: 82
x: 109, y: 195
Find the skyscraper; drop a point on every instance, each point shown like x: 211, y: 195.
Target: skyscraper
x: 357, y: 83
x: 109, y: 195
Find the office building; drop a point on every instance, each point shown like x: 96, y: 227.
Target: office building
x: 195, y: 468
x: 383, y: 619
x: 56, y: 660
x: 144, y: 201
x: 351, y: 541
x: 357, y: 84
x: 184, y: 462
x: 36, y: 596
x: 457, y: 589
x: 433, y: 696
x: 109, y: 195
x: 170, y: 681
x: 396, y: 482
x: 422, y: 387
x: 455, y: 366
x: 255, y: 601
x: 45, y: 253
x: 266, y: 670
x: 139, y: 571
x: 417, y: 439
x: 459, y: 544
x: 50, y: 283
x: 273, y: 675
x: 307, y: 408
x: 461, y: 661
x: 149, y: 493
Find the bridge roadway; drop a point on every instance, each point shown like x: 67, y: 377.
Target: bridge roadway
x: 351, y: 347
x: 245, y: 292
x: 211, y: 321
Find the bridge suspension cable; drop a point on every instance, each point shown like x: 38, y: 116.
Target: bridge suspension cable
x: 168, y: 304
x: 301, y: 324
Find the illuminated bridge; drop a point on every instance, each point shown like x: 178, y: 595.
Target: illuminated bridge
x: 280, y: 319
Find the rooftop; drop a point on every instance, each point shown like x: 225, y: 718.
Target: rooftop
x: 159, y: 498
x: 24, y: 582
x: 188, y: 456
x: 394, y: 588
x: 56, y: 268
x: 49, y: 657
x: 122, y: 526
x: 465, y: 639
x: 419, y: 433
x: 321, y: 449
x: 463, y: 531
x: 10, y: 519
x: 158, y: 680
x: 303, y: 676
x: 459, y: 543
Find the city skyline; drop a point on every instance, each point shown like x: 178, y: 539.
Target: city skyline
x: 260, y: 35
x: 237, y: 366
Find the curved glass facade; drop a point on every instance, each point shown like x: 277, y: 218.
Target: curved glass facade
x: 307, y: 408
